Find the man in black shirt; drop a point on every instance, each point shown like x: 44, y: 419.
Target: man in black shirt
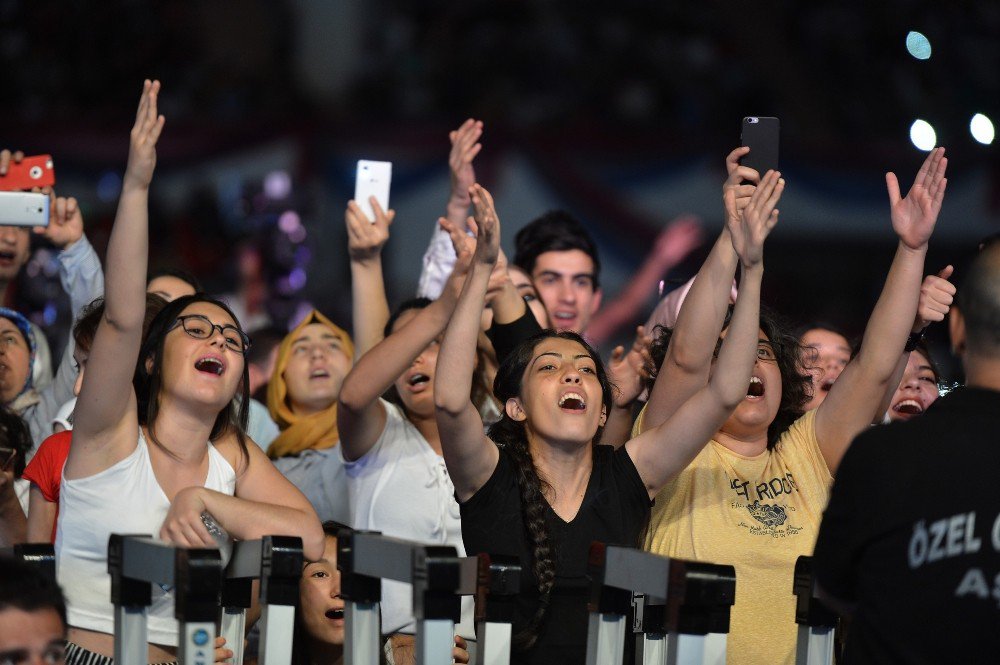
x: 910, y: 542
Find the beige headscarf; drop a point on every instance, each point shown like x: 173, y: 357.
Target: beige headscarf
x: 299, y: 433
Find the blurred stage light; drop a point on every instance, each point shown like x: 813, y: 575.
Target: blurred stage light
x: 277, y: 185
x: 982, y: 129
x: 918, y: 46
x: 922, y: 135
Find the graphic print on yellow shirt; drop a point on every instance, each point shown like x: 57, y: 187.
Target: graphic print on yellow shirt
x: 758, y: 514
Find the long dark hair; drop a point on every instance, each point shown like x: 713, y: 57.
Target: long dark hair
x: 232, y: 419
x: 796, y: 384
x: 510, y: 435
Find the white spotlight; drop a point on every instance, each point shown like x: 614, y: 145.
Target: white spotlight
x: 982, y: 129
x: 918, y: 45
x: 922, y: 135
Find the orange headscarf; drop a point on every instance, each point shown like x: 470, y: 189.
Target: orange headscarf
x: 299, y: 433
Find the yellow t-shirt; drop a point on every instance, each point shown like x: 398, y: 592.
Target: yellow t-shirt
x: 755, y: 513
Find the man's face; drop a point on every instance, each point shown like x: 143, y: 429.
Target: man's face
x: 565, y: 283
x: 15, y: 247
x: 31, y: 638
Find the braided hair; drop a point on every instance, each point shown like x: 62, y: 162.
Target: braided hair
x: 510, y: 435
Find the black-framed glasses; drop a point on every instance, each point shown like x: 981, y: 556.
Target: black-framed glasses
x: 200, y: 327
x: 767, y: 351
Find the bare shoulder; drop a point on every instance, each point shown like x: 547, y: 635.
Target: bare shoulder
x: 228, y: 445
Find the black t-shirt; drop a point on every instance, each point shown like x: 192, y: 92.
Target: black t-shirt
x: 912, y: 536
x: 615, y: 510
x: 506, y: 337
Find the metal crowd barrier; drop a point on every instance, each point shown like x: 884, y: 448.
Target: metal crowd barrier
x: 496, y: 589
x: 439, y: 578
x: 41, y: 555
x: 135, y: 564
x: 681, y: 608
x: 277, y: 562
x: 816, y: 622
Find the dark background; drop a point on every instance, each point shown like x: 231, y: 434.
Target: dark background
x: 605, y: 109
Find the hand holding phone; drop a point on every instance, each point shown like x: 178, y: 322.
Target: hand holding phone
x: 761, y: 135
x: 26, y: 173
x: 372, y: 179
x: 24, y: 209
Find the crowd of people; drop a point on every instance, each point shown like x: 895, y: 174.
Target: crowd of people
x: 479, y: 415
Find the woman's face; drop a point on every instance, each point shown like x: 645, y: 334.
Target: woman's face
x: 525, y: 287
x: 760, y: 406
x: 15, y: 357
x: 561, y: 398
x: 319, y: 593
x: 830, y: 353
x: 80, y: 358
x: 916, y: 391
x: 205, y: 371
x: 316, y: 367
x: 416, y: 385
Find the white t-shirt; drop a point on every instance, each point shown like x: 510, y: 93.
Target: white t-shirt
x: 401, y: 488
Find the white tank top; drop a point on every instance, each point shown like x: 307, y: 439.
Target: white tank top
x: 124, y: 498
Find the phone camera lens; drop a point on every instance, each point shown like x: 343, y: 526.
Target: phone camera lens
x: 752, y: 121
x: 35, y: 172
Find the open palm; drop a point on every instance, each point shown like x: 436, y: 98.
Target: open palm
x: 914, y: 216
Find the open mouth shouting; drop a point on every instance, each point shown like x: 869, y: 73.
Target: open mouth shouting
x: 573, y: 402
x: 908, y: 408
x: 418, y: 382
x: 755, y: 390
x: 563, y: 319
x: 7, y: 258
x: 335, y: 613
x: 210, y: 365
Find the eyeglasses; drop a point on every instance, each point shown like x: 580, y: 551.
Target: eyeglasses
x: 200, y: 327
x: 54, y: 654
x: 766, y: 350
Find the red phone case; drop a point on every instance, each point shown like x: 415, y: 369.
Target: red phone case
x: 36, y: 171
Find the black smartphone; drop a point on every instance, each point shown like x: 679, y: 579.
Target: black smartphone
x: 761, y: 136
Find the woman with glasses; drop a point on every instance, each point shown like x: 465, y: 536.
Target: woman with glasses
x: 754, y: 496
x: 158, y: 443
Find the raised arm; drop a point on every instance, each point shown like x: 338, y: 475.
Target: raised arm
x: 686, y: 365
x: 672, y: 245
x: 439, y: 259
x: 365, y: 240
x: 105, y: 425
x: 662, y: 451
x: 856, y: 396
x: 360, y: 415
x: 470, y: 456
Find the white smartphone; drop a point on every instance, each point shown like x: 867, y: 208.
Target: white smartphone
x: 24, y: 209
x: 373, y: 179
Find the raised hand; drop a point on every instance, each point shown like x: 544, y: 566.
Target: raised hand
x: 142, y: 139
x: 464, y: 148
x: 487, y: 225
x: 65, y: 220
x: 757, y: 219
x: 936, y: 296
x: 914, y: 216
x: 465, y: 248
x: 739, y: 185
x: 677, y: 240
x: 6, y: 157
x: 366, y: 238
x: 626, y: 371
